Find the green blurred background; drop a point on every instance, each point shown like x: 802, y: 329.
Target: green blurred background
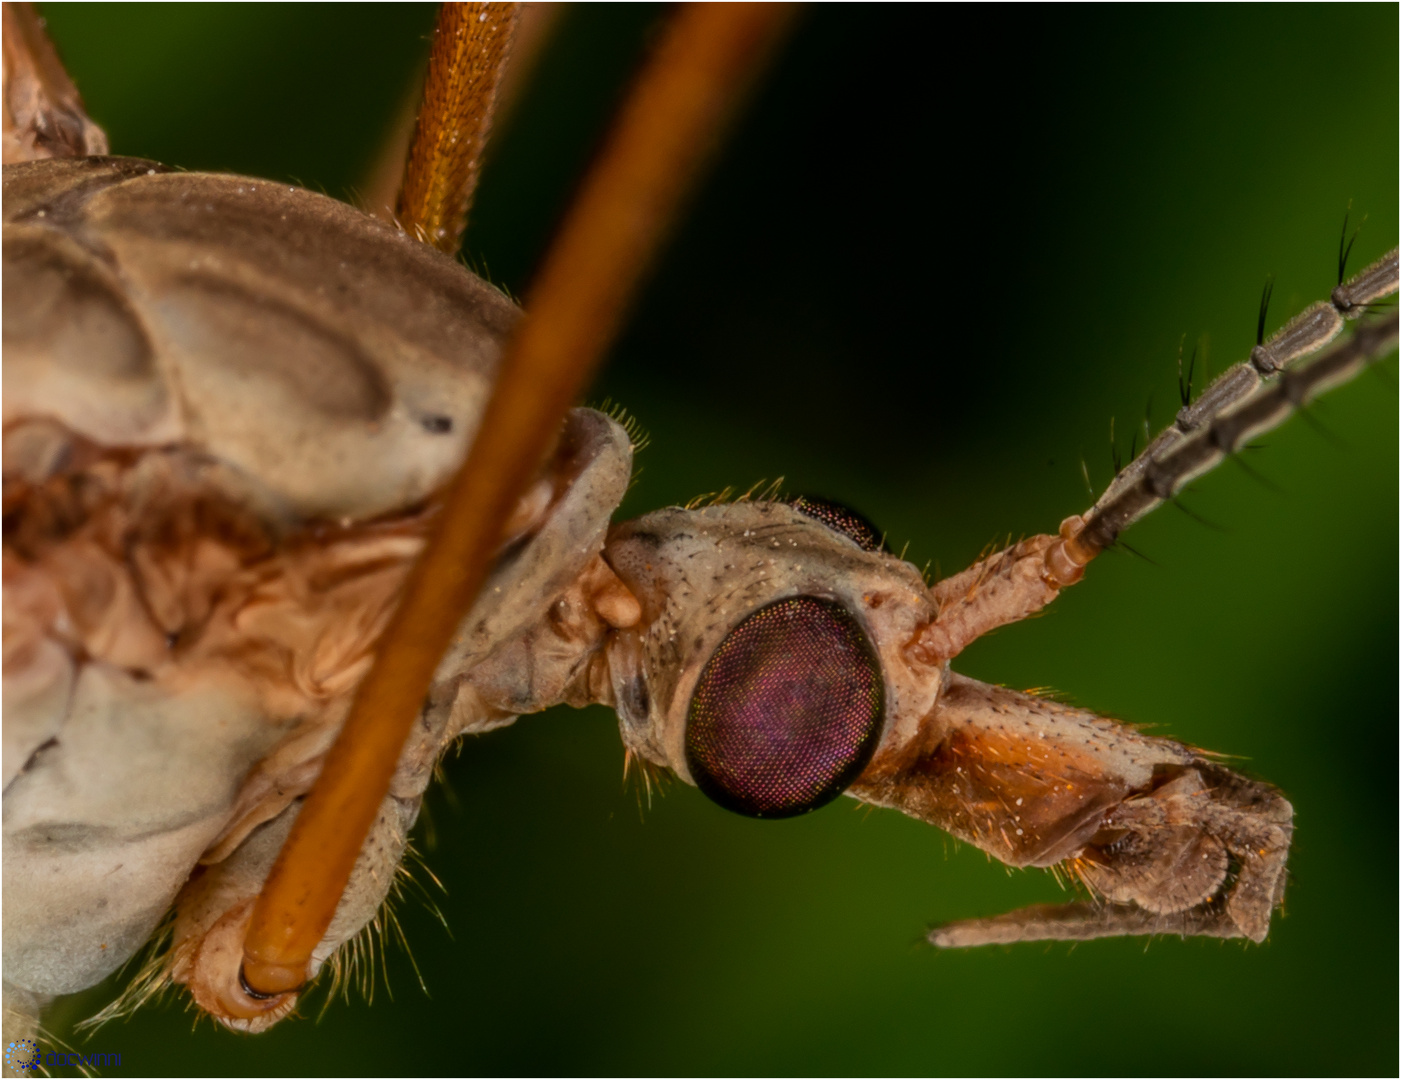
x: 942, y: 250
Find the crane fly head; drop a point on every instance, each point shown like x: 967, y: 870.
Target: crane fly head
x: 771, y: 660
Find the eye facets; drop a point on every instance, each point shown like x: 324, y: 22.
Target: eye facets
x: 787, y: 711
x: 841, y: 519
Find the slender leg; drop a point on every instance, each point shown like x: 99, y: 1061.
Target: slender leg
x: 471, y: 45
x: 682, y: 98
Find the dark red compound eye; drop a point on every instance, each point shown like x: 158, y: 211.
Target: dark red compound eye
x: 787, y: 711
x: 854, y: 526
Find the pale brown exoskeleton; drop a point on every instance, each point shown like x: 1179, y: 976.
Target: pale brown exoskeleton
x: 1171, y: 840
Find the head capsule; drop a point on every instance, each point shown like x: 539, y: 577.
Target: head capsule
x: 770, y: 662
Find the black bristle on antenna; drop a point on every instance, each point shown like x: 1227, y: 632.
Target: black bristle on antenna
x: 1184, y: 388
x: 1382, y: 375
x: 1134, y: 551
x: 1345, y: 242
x: 1323, y: 431
x: 1264, y: 309
x: 1344, y: 248
x: 1197, y: 517
x: 1259, y: 477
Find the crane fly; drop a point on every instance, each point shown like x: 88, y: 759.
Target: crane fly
x: 875, y: 449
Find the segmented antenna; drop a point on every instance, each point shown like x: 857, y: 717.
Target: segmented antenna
x: 1248, y: 399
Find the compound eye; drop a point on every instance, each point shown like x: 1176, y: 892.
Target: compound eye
x: 842, y: 519
x: 787, y: 711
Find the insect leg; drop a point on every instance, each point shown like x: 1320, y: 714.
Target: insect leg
x: 576, y: 303
x: 471, y: 46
